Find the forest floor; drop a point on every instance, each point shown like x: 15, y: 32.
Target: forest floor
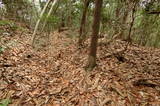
x: 56, y: 76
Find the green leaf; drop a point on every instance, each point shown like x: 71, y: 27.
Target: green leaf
x: 1, y: 49
x: 5, y: 102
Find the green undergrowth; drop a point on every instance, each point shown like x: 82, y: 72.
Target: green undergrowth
x: 9, y: 24
x: 5, y: 22
x: 5, y: 102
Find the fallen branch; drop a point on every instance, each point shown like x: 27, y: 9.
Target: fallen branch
x: 145, y: 82
x: 106, y: 102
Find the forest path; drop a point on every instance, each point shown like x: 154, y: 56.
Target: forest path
x: 57, y: 77
x: 121, y: 77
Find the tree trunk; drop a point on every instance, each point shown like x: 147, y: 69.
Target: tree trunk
x: 49, y: 13
x: 95, y: 31
x: 117, y: 16
x: 83, y: 23
x: 124, y: 19
x: 69, y: 13
x: 62, y: 23
x: 38, y: 22
x: 132, y: 22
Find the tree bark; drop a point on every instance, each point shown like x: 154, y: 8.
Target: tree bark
x: 38, y: 22
x: 69, y: 15
x: 95, y: 31
x: 132, y: 22
x: 83, y: 23
x: 49, y: 13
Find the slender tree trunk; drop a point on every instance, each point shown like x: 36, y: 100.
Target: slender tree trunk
x: 124, y: 19
x: 83, y: 23
x: 69, y: 15
x: 117, y: 16
x: 62, y: 23
x: 49, y: 13
x: 95, y: 31
x: 41, y: 4
x: 38, y: 22
x: 129, y: 40
x: 132, y: 22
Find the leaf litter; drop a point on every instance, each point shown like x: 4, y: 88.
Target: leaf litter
x: 58, y: 78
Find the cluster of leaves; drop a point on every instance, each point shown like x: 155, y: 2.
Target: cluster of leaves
x: 5, y: 102
x: 9, y: 24
x: 147, y: 26
x: 1, y: 50
x: 61, y: 79
x: 8, y: 29
x: 52, y: 19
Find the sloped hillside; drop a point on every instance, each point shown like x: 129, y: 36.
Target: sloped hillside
x: 56, y: 76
